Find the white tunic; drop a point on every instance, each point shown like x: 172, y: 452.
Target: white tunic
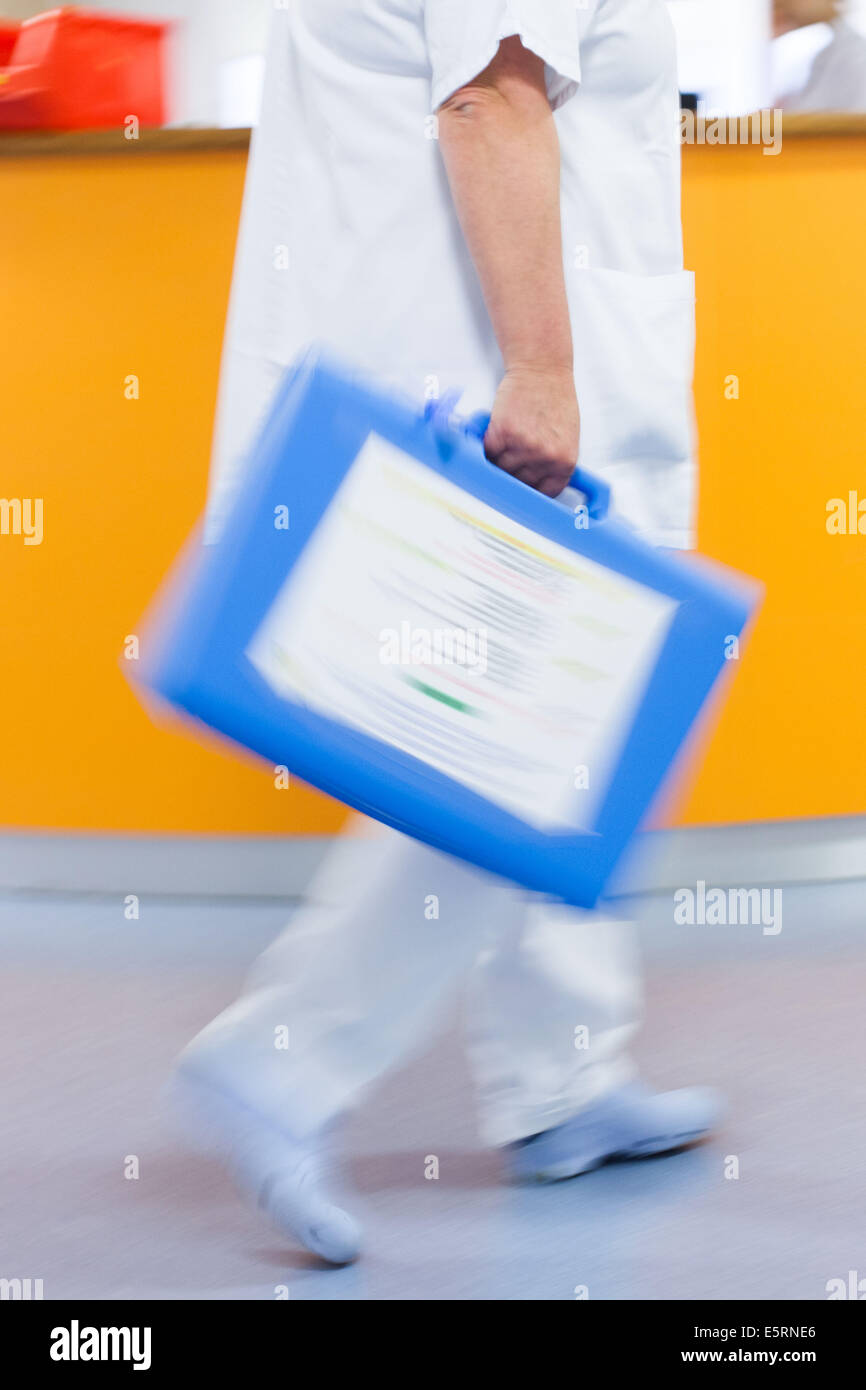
x: 349, y: 235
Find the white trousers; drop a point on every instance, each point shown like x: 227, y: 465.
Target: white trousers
x: 391, y: 930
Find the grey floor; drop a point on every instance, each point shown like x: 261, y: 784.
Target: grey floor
x: 94, y: 1007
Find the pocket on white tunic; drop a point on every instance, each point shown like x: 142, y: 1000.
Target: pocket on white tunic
x: 634, y: 342
x: 634, y: 339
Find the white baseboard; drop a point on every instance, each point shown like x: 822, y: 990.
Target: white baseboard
x: 815, y: 851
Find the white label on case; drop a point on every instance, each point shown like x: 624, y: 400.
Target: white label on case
x: 426, y: 618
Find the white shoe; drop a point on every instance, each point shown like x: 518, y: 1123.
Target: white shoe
x: 631, y: 1122
x: 281, y: 1174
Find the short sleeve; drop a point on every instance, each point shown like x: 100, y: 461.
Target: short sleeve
x: 463, y: 37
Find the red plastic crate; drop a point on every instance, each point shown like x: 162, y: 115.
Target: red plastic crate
x: 84, y: 70
x: 8, y: 34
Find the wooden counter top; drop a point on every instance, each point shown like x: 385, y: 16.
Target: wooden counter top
x: 172, y: 140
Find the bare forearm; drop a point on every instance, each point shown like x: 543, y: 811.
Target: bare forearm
x: 501, y: 153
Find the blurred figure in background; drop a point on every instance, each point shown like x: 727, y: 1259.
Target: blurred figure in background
x: 523, y: 244
x: 837, y: 80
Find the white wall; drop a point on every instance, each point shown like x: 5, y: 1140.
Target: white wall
x: 20, y: 9
x: 216, y: 52
x: 724, y: 52
x: 856, y: 14
x: 224, y: 48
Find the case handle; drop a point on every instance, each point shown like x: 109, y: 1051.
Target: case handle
x: 440, y: 414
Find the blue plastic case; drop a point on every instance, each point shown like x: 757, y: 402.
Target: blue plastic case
x: 195, y: 652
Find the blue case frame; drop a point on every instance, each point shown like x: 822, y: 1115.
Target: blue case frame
x: 197, y: 638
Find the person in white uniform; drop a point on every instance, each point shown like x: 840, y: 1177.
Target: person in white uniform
x: 483, y: 196
x: 837, y: 79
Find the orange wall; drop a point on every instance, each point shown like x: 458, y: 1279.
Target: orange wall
x: 119, y: 265
x: 778, y: 246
